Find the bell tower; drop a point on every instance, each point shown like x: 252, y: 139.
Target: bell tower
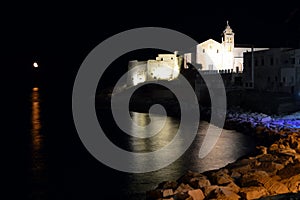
x: 228, y: 46
x: 228, y: 39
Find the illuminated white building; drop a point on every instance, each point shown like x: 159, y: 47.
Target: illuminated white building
x: 223, y: 57
x: 210, y: 56
x: 164, y: 67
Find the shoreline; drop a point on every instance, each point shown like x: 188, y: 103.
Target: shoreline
x: 275, y: 170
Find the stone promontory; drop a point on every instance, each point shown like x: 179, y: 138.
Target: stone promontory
x: 274, y: 172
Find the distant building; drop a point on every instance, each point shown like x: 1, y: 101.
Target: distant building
x: 224, y: 57
x: 210, y: 56
x: 275, y: 70
x: 164, y: 67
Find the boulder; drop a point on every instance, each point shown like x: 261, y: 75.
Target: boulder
x: 293, y: 183
x: 167, y: 192
x: 263, y: 149
x: 154, y: 194
x: 167, y: 185
x: 182, y: 196
x: 290, y: 170
x: 266, y: 119
x: 199, y: 182
x: 183, y: 188
x: 253, y: 192
x: 275, y: 187
x: 186, y: 178
x: 196, y: 194
x: 274, y: 148
x: 208, y: 189
x: 255, y: 178
x: 223, y: 193
x: 233, y: 187
x: 221, y: 177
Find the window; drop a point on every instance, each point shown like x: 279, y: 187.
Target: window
x: 255, y: 62
x: 161, y: 59
x: 262, y: 61
x: 203, y: 50
x: 218, y: 52
x: 276, y: 79
x: 293, y: 61
x: 292, y: 79
x: 283, y: 79
x: 271, y: 61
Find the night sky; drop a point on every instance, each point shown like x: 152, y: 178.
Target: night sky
x: 61, y: 35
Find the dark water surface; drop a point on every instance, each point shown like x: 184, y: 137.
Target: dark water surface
x: 57, y: 165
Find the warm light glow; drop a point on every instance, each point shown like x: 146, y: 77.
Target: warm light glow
x: 35, y: 64
x: 36, y: 124
x: 35, y: 89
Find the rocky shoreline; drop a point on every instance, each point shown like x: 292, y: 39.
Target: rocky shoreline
x: 272, y: 173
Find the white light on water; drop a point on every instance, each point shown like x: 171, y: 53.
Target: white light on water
x: 35, y: 64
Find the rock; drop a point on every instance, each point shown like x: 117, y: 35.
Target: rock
x: 167, y: 192
x: 275, y: 187
x: 167, y: 185
x: 186, y: 178
x: 259, y: 129
x: 263, y: 149
x: 235, y: 175
x: 266, y: 158
x: 233, y: 187
x: 266, y: 119
x: 293, y: 183
x: 270, y: 167
x: 256, y: 178
x: 287, y: 152
x: 289, y: 170
x: 208, y: 189
x: 196, y: 194
x: 253, y: 192
x: 285, y: 160
x: 273, y: 148
x: 223, y: 193
x: 154, y: 194
x: 183, y: 188
x: 181, y: 196
x: 221, y: 177
x: 199, y: 182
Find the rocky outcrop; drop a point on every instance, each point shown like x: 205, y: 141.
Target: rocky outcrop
x: 274, y: 170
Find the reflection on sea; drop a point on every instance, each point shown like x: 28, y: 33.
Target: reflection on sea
x: 230, y: 146
x: 38, y: 178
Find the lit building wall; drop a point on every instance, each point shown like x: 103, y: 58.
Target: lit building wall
x: 137, y: 72
x: 164, y: 67
x: 209, y: 55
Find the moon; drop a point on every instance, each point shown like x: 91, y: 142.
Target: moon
x: 35, y: 64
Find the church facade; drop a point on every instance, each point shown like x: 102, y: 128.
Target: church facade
x: 220, y: 57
